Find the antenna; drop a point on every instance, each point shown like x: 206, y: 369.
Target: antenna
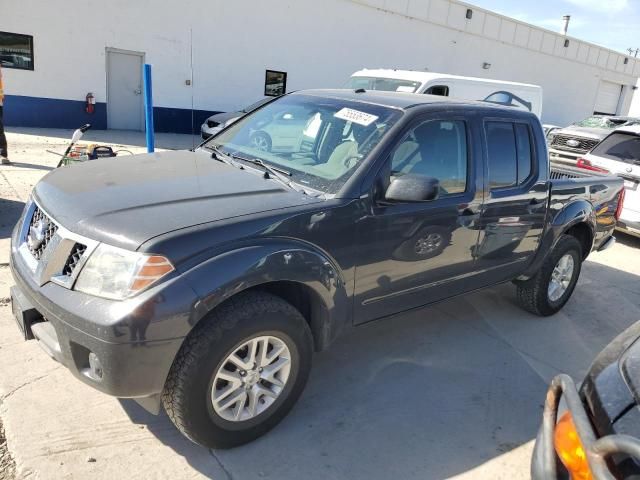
x: 565, y: 26
x: 193, y: 144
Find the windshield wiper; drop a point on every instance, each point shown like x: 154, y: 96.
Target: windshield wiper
x: 270, y: 172
x: 224, y: 157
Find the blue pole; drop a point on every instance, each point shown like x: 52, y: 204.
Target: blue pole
x: 148, y: 107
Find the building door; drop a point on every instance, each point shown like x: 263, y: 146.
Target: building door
x: 124, y: 90
x: 608, y: 98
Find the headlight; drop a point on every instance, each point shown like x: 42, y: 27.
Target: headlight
x: 115, y: 273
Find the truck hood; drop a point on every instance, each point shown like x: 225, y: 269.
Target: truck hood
x: 595, y: 133
x: 129, y: 200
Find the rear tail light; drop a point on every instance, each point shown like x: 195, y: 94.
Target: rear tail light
x: 587, y: 165
x: 621, y: 196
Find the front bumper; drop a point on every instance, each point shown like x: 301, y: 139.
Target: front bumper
x: 135, y: 340
x: 545, y: 464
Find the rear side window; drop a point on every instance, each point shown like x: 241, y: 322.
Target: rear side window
x: 503, y: 164
x: 441, y: 90
x: 523, y: 145
x: 620, y: 146
x: 510, y: 154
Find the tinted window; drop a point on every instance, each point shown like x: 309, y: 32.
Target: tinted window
x: 501, y: 145
x: 523, y: 144
x: 441, y: 90
x: 436, y: 148
x: 620, y: 146
x: 16, y: 51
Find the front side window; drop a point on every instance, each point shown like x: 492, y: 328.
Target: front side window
x: 384, y: 84
x: 510, y: 153
x: 623, y: 147
x: 16, y: 51
x: 437, y: 149
x: 320, y: 141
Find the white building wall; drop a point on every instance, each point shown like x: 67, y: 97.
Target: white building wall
x: 319, y: 44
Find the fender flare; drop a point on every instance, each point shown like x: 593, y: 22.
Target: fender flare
x: 572, y: 214
x: 271, y: 261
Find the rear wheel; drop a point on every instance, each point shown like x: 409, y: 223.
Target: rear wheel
x: 548, y: 291
x: 240, y: 371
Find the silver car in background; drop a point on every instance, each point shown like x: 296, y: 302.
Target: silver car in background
x: 568, y: 144
x: 619, y: 154
x: 217, y: 122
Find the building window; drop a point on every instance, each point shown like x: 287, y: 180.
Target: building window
x: 275, y: 83
x: 16, y: 51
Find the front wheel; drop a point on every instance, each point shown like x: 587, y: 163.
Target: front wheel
x: 548, y: 291
x: 240, y: 371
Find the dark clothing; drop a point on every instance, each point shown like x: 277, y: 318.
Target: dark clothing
x: 3, y: 138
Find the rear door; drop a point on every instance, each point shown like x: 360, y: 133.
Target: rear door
x: 516, y: 194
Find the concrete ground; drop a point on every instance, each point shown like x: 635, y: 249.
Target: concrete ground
x: 450, y: 391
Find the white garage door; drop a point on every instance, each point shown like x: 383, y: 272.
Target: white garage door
x: 608, y: 98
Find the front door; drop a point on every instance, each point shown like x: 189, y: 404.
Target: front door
x: 124, y: 90
x: 414, y: 253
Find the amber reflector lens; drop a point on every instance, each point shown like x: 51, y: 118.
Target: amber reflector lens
x: 152, y: 270
x: 570, y: 449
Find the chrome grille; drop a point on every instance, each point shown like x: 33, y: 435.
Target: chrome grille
x: 74, y: 259
x: 41, y: 230
x: 583, y: 144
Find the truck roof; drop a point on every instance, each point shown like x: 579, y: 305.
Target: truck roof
x: 405, y: 101
x: 422, y: 77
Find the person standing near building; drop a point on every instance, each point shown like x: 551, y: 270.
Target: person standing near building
x: 4, y: 155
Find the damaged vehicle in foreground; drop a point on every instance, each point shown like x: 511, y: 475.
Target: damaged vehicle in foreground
x: 202, y: 281
x: 596, y: 436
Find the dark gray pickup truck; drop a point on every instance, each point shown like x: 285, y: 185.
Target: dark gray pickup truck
x: 203, y: 281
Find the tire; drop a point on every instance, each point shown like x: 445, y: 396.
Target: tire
x: 188, y: 396
x: 261, y: 141
x: 534, y: 295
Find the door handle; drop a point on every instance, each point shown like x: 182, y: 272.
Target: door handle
x: 137, y: 91
x: 535, y: 205
x: 467, y: 218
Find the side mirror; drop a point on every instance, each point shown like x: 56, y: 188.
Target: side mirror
x: 412, y: 188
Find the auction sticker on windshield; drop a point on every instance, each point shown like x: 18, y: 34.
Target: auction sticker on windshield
x: 356, y: 116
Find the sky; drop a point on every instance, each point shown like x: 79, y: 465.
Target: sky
x: 613, y: 24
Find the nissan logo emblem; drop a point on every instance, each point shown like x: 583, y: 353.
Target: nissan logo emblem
x: 573, y: 143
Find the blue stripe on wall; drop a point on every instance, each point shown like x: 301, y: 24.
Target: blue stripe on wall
x: 22, y: 111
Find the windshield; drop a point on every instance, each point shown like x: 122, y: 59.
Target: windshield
x: 385, y: 84
x: 606, y: 122
x: 320, y: 141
